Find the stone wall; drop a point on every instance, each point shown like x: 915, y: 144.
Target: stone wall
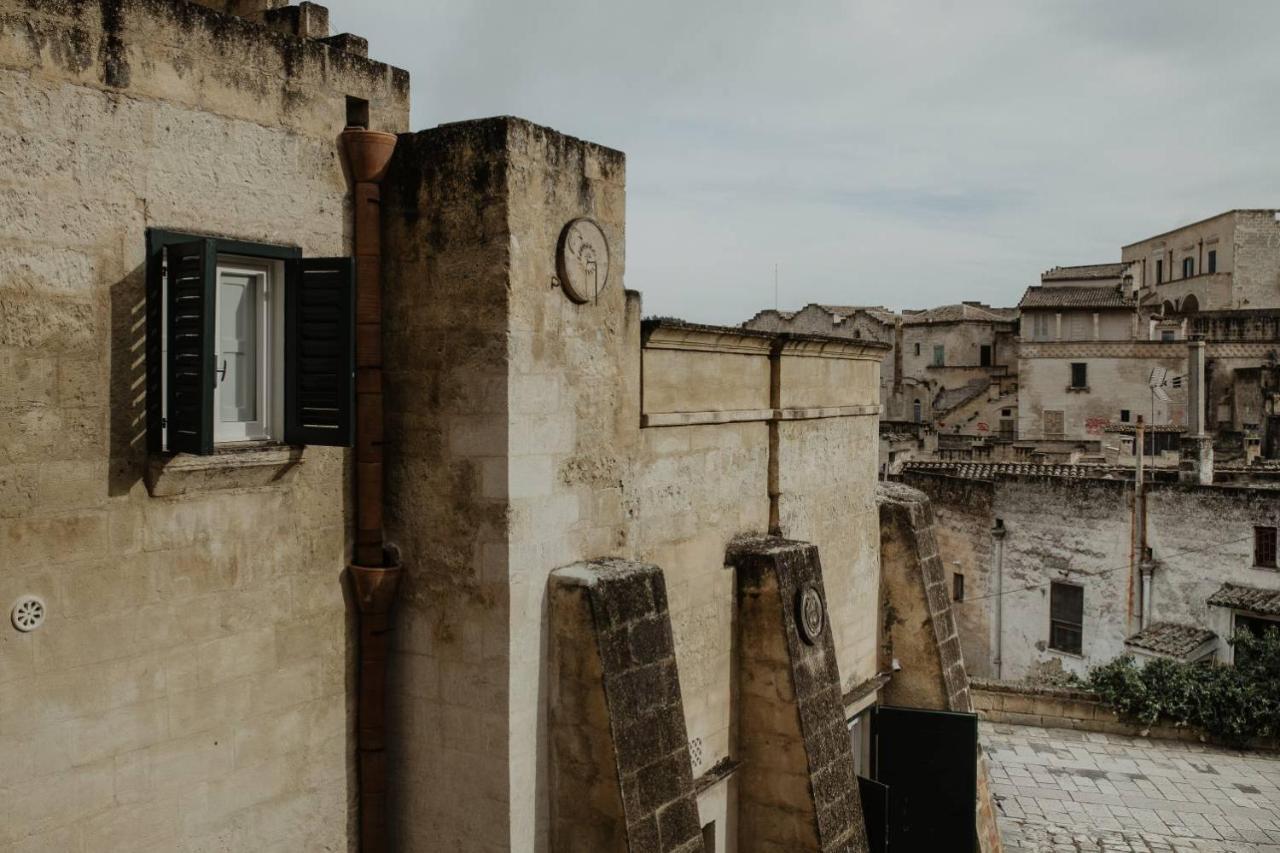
x: 188, y: 690
x: 1256, y: 282
x: 532, y: 433
x: 1078, y: 531
x: 1118, y: 374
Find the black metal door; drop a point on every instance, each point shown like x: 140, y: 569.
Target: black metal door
x: 929, y: 761
x: 875, y: 813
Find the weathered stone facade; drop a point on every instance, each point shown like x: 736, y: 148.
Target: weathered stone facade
x: 1079, y: 530
x: 527, y: 433
x: 193, y: 685
x: 189, y: 688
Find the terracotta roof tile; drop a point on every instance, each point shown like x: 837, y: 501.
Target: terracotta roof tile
x: 1167, y: 638
x: 1084, y: 296
x: 1084, y: 271
x: 1251, y: 598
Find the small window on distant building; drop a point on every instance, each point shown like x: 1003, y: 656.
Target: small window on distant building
x: 1264, y: 547
x: 1159, y: 272
x: 957, y: 587
x: 1168, y: 335
x: 1213, y: 261
x: 1124, y: 416
x: 1006, y: 413
x: 1188, y: 267
x: 915, y: 411
x: 917, y: 349
x: 1054, y: 423
x: 1079, y: 374
x: 1040, y: 327
x: 1066, y: 617
x: 984, y: 355
x: 939, y: 355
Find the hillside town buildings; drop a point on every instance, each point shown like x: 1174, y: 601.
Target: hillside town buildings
x: 346, y: 501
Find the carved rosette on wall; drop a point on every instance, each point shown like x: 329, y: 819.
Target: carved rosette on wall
x: 811, y: 616
x: 582, y: 260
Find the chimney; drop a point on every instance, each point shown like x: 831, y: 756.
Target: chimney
x: 1197, y: 448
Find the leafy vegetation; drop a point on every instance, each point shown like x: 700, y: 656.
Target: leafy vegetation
x: 1232, y: 703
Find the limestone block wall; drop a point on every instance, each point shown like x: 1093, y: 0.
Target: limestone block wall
x: 188, y: 689
x: 531, y: 432
x: 1256, y: 282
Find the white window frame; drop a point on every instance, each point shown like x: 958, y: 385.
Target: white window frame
x: 270, y: 352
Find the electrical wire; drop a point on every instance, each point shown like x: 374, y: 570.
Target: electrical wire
x: 1099, y: 572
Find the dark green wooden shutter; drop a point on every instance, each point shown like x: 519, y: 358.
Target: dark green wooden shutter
x: 155, y: 348
x: 319, y: 351
x: 191, y: 304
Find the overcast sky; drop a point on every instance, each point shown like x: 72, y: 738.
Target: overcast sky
x: 899, y: 153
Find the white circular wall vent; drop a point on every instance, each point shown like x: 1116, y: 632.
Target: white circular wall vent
x: 28, y: 613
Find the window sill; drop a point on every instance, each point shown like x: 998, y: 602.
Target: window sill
x: 1072, y: 389
x: 239, y: 466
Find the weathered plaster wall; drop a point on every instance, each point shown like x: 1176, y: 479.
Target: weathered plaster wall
x: 1078, y: 531
x: 1118, y: 375
x: 188, y: 690
x: 964, y: 518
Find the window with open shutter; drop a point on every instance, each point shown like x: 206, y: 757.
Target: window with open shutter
x: 246, y: 343
x: 320, y: 351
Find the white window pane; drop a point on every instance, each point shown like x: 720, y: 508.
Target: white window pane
x: 237, y: 346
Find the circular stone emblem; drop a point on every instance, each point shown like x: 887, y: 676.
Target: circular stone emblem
x: 810, y: 614
x: 582, y: 260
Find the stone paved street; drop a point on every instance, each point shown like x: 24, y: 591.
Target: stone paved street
x: 1061, y: 790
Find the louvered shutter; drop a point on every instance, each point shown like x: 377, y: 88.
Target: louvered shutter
x: 192, y: 270
x: 319, y: 351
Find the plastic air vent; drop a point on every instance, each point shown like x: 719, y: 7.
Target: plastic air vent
x: 28, y: 613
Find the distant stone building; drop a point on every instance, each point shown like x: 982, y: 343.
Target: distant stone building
x: 1053, y: 580
x: 953, y: 367
x: 1226, y: 262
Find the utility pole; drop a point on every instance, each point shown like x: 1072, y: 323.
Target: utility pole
x: 1138, y: 543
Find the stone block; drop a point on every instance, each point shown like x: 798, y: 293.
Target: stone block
x: 617, y: 723
x: 803, y: 796
x: 306, y: 20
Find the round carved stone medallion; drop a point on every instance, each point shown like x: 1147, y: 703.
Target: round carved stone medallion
x: 811, y: 616
x: 582, y: 260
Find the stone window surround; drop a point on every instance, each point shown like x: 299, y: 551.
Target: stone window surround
x: 238, y: 466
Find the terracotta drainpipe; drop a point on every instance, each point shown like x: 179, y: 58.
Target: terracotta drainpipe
x: 375, y: 572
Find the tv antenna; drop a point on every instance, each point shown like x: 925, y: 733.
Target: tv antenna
x: 1157, y: 381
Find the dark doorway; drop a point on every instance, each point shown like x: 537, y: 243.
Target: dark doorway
x: 875, y: 813
x: 984, y: 356
x: 929, y: 761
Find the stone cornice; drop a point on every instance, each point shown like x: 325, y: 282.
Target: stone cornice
x: 695, y: 337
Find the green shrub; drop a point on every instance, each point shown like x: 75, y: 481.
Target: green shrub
x: 1232, y: 703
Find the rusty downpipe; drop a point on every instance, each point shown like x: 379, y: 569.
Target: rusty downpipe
x: 374, y: 569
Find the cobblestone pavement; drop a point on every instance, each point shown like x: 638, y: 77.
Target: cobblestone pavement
x: 1061, y: 790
